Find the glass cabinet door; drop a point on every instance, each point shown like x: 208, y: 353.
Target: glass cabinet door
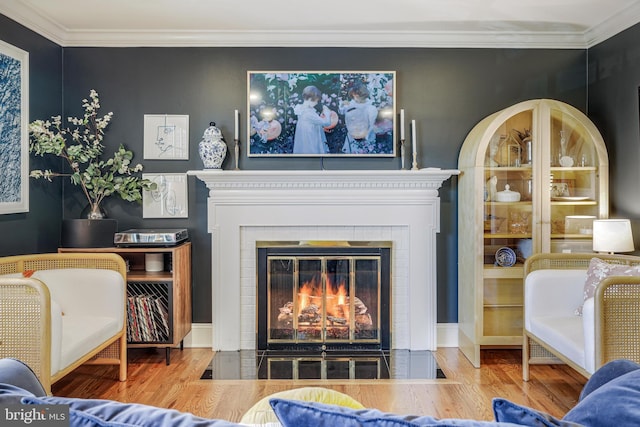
x: 573, y: 199
x: 509, y: 180
x: 509, y: 216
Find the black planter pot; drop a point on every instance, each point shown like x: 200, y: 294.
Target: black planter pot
x: 88, y: 233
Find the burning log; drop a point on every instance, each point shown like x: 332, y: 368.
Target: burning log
x: 339, y: 317
x: 337, y: 320
x: 286, y: 310
x: 363, y: 320
x: 311, y: 314
x: 359, y: 306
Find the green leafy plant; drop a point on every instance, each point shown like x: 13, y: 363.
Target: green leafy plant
x: 82, y: 148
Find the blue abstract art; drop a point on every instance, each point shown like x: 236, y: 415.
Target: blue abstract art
x: 14, y: 155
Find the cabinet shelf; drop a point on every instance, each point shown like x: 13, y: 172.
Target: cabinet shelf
x: 521, y: 203
x: 572, y: 236
x: 499, y: 169
x: 497, y: 272
x: 573, y: 169
x: 503, y: 305
x: 147, y: 276
x: 574, y: 203
x: 507, y: 236
x: 555, y: 203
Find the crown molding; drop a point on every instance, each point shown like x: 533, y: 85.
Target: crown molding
x: 417, y: 39
x: 33, y: 20
x: 616, y: 24
x: 64, y: 37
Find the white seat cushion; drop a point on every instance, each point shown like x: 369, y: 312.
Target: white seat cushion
x: 81, y: 334
x: 563, y: 333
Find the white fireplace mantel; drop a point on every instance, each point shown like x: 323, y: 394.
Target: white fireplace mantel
x: 245, y: 207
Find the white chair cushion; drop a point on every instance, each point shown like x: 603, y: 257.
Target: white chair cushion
x: 563, y: 333
x: 86, y: 291
x: 552, y: 293
x: 81, y: 334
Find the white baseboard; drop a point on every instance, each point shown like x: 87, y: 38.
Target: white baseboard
x: 447, y: 334
x: 201, y: 335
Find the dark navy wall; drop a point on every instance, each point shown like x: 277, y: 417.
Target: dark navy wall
x: 37, y: 230
x: 447, y: 91
x: 614, y: 84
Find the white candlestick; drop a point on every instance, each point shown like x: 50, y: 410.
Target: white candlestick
x: 236, y: 126
x: 402, y: 124
x: 413, y: 136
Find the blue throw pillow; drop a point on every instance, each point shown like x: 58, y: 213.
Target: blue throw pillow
x: 109, y: 413
x: 616, y: 402
x: 293, y: 413
x: 11, y: 394
x: 509, y: 412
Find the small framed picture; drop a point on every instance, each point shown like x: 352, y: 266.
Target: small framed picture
x: 166, y: 137
x: 169, y: 199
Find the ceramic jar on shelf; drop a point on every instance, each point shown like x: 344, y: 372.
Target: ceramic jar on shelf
x: 212, y: 148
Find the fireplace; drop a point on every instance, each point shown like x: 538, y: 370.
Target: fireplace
x: 246, y: 207
x: 323, y: 296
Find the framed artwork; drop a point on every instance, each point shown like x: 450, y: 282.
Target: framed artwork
x: 169, y: 200
x: 14, y: 123
x: 302, y: 113
x: 166, y: 137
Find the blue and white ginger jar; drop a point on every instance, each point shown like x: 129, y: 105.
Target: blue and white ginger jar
x: 212, y: 148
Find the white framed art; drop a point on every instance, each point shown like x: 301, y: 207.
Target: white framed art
x: 169, y: 199
x: 14, y: 122
x: 166, y: 137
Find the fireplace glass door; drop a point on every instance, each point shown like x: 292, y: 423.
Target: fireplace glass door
x: 323, y: 299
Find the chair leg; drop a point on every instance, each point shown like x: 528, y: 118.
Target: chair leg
x: 123, y: 358
x: 525, y: 357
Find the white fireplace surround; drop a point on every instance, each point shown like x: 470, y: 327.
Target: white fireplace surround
x: 246, y: 207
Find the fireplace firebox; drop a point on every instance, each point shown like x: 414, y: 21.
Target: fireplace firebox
x: 323, y: 296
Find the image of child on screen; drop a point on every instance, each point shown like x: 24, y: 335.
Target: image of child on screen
x: 360, y: 117
x: 309, y: 137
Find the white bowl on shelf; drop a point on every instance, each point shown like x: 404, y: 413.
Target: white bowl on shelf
x: 507, y: 195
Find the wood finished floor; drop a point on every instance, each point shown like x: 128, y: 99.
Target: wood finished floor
x: 466, y: 393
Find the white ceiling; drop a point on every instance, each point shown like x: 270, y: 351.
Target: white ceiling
x: 364, y: 23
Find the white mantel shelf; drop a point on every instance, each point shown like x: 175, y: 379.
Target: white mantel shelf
x: 248, y: 206
x: 428, y: 178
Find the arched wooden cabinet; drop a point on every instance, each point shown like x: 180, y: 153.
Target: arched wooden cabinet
x: 555, y: 164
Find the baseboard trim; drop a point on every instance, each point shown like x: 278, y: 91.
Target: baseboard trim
x: 447, y: 334
x: 201, y: 335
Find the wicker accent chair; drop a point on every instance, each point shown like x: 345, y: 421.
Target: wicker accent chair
x: 26, y: 320
x: 615, y: 333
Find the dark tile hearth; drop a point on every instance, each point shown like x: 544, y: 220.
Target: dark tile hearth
x: 252, y: 365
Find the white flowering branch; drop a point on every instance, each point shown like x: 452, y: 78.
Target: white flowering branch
x: 82, y: 148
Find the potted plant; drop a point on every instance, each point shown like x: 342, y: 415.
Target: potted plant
x: 82, y: 148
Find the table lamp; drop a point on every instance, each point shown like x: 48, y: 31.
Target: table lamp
x: 612, y: 235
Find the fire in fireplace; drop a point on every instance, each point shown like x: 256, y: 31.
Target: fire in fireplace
x: 316, y: 297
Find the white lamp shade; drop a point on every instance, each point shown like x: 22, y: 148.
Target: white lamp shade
x: 612, y: 235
